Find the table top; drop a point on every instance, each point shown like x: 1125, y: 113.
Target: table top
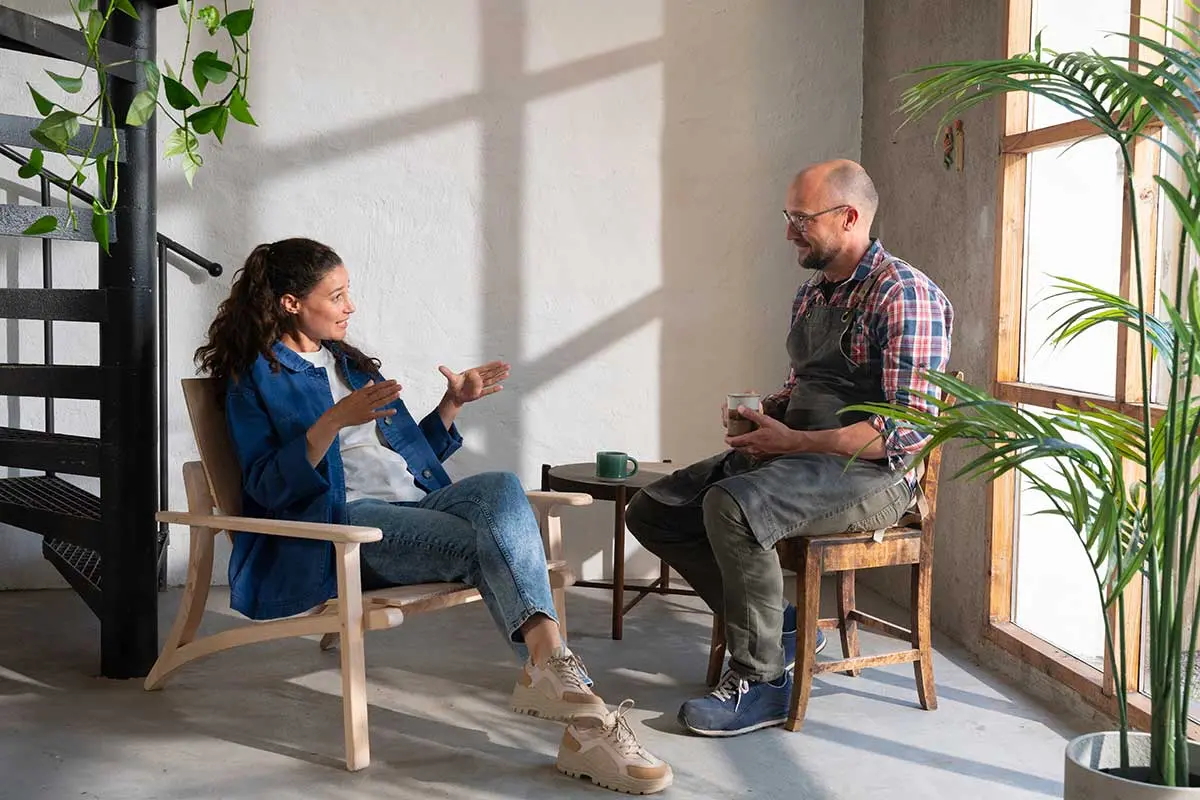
x: 581, y: 477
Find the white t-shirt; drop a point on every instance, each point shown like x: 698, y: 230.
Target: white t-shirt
x: 372, y: 468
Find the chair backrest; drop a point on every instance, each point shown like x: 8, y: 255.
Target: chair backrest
x: 929, y: 480
x: 221, y: 468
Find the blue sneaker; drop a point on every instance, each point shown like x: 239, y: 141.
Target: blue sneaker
x: 789, y: 637
x: 737, y: 706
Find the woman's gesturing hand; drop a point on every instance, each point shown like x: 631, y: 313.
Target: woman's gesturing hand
x: 474, y: 383
x: 365, y: 404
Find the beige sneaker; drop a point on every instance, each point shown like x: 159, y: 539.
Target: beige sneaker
x: 601, y: 746
x: 559, y: 690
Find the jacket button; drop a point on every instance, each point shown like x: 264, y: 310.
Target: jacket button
x: 426, y: 473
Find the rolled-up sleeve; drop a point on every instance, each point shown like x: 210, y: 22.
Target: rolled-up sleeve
x: 443, y: 442
x: 914, y: 323
x: 274, y: 474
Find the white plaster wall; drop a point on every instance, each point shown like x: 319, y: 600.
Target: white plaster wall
x: 588, y: 190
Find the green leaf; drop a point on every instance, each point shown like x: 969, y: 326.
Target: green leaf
x: 100, y: 226
x: 222, y: 122
x: 185, y: 10
x: 179, y: 96
x: 142, y: 108
x: 126, y: 7
x: 80, y: 177
x: 209, y: 68
x: 210, y: 17
x: 170, y: 72
x: 34, y: 167
x: 206, y: 119
x: 44, y: 106
x: 45, y: 141
x: 66, y: 82
x: 153, y: 76
x: 84, y: 6
x: 238, y: 23
x: 178, y: 143
x: 240, y: 109
x: 102, y: 174
x: 57, y: 130
x: 46, y: 224
x: 191, y: 163
x: 94, y: 27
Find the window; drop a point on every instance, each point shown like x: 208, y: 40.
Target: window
x: 1063, y: 212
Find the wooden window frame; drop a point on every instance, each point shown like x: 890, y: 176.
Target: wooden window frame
x: 1093, y: 685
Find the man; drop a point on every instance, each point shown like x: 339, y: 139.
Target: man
x: 864, y: 327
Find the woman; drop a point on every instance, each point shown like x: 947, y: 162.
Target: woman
x: 322, y: 436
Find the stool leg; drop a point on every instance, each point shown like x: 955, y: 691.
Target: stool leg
x: 848, y: 626
x: 808, y: 604
x: 716, y: 651
x: 922, y: 633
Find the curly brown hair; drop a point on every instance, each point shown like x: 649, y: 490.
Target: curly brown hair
x: 251, y: 319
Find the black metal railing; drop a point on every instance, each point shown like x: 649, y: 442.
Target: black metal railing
x: 166, y: 246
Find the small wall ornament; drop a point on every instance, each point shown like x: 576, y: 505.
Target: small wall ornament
x: 952, y: 146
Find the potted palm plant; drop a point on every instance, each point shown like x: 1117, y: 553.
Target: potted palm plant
x: 1126, y: 483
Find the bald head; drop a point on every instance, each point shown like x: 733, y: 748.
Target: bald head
x: 841, y: 181
x: 831, y: 207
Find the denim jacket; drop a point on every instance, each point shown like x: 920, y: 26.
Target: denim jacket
x: 269, y: 414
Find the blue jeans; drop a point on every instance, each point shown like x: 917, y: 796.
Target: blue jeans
x: 480, y: 531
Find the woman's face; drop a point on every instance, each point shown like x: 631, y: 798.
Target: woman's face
x: 324, y: 313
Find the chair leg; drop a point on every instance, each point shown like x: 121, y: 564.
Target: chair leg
x: 354, y: 667
x: 808, y: 604
x: 922, y: 633
x: 199, y: 579
x: 559, y: 593
x: 716, y: 651
x: 847, y: 625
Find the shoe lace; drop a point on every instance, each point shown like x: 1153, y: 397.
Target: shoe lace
x: 731, y: 687
x: 618, y: 730
x: 570, y: 670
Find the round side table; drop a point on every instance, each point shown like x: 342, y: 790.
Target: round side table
x: 582, y: 478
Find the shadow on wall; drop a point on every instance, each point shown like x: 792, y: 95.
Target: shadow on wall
x: 740, y: 109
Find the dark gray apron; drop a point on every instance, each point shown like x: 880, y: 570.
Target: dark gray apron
x: 796, y: 495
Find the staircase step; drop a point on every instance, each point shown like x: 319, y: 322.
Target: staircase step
x: 14, y: 131
x: 15, y: 219
x: 49, y: 452
x: 52, y: 507
x: 79, y: 565
x: 27, y: 33
x: 36, y: 380
x: 65, y: 305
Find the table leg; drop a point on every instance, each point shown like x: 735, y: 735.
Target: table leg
x: 664, y: 574
x: 618, y: 608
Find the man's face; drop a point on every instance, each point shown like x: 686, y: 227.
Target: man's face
x: 816, y: 225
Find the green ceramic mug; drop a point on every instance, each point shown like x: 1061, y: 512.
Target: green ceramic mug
x: 612, y: 465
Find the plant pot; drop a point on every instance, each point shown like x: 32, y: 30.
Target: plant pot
x: 1088, y: 755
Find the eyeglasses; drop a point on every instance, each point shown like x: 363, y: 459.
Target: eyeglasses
x: 801, y: 221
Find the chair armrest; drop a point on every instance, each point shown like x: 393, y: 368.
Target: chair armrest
x: 548, y: 500
x: 275, y: 527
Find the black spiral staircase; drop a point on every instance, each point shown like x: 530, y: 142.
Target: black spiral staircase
x: 106, y: 545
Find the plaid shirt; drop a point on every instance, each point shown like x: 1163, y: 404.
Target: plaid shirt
x: 907, y: 321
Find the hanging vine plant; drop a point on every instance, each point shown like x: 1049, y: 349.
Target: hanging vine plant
x: 192, y: 114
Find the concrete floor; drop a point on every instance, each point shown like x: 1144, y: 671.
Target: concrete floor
x: 264, y: 722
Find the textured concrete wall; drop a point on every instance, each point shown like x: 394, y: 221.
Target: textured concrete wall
x: 943, y: 221
x: 589, y: 190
